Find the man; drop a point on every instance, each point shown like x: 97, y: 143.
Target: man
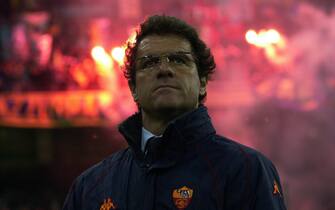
x: 175, y: 160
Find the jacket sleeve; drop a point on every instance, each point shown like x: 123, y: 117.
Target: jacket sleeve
x: 254, y: 185
x: 73, y: 198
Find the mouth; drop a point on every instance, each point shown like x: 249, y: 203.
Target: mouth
x: 165, y: 87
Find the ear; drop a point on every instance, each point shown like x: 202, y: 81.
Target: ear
x: 203, y: 84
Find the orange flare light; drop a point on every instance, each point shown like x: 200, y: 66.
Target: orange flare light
x: 132, y: 37
x: 273, y: 43
x: 102, y: 59
x: 118, y: 54
x: 97, y: 52
x: 263, y: 38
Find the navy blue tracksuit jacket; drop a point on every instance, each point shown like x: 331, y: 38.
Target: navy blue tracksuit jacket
x: 190, y: 168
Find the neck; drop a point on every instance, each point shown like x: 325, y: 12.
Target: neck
x: 157, y: 123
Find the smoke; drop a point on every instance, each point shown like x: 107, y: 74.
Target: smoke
x: 292, y: 121
x: 307, y: 137
x: 312, y: 53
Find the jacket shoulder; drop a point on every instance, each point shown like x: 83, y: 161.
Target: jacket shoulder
x: 240, y: 152
x: 252, y: 175
x: 90, y: 180
x: 105, y: 163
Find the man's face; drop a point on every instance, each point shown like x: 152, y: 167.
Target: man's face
x: 166, y: 75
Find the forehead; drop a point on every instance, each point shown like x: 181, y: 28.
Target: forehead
x: 158, y: 44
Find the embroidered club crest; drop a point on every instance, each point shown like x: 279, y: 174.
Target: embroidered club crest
x: 182, y: 197
x: 107, y: 205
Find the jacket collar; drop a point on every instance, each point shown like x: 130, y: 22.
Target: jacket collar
x: 189, y: 128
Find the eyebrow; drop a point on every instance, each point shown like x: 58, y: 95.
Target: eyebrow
x: 167, y: 53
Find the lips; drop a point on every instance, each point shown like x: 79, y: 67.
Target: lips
x: 165, y: 86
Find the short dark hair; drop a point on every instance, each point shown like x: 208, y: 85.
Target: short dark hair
x: 167, y: 25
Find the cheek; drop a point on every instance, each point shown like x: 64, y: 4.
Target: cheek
x: 193, y: 86
x: 142, y: 86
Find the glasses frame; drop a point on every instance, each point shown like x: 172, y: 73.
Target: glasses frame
x: 166, y: 57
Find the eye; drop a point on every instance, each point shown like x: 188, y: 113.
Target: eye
x: 178, y: 58
x: 149, y: 61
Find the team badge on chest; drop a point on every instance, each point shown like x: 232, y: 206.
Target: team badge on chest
x: 108, y: 205
x: 182, y: 197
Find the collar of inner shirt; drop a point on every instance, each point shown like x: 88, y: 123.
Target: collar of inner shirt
x: 146, y: 135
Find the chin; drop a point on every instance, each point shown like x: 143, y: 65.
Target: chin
x: 167, y: 106
x: 171, y: 106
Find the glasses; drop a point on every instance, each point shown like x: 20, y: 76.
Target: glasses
x: 176, y: 60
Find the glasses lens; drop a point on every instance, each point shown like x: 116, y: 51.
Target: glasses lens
x: 175, y: 59
x: 179, y: 58
x: 149, y: 61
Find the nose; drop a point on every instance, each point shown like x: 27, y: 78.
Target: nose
x: 165, y: 69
